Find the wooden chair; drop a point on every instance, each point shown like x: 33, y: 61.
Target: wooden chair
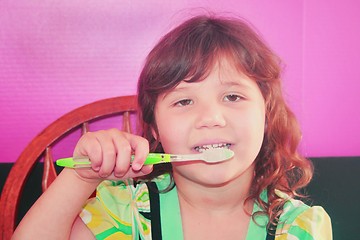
x: 41, y: 145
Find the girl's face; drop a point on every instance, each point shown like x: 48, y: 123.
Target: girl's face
x: 225, y: 109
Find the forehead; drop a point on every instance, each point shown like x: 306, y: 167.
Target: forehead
x: 226, y: 70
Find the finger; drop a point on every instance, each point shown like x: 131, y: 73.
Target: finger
x: 88, y: 145
x: 126, y: 144
x: 145, y: 170
x: 109, y: 153
x: 123, y: 157
x: 141, y: 149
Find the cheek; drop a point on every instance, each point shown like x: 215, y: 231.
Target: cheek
x: 251, y: 131
x: 257, y: 124
x: 171, y: 133
x: 257, y: 133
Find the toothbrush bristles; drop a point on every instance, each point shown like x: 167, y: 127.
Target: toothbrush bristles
x: 217, y: 155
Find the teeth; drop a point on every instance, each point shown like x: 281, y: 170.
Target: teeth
x: 211, y: 146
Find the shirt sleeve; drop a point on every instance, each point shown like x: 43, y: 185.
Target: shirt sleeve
x: 312, y: 224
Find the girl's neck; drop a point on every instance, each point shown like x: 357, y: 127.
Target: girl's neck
x: 205, y: 209
x: 225, y: 198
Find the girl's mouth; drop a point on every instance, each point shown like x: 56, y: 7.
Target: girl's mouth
x: 212, y: 146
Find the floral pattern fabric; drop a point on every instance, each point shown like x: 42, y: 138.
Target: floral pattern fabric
x: 121, y: 210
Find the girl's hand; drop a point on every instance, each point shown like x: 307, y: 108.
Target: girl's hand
x: 110, y: 153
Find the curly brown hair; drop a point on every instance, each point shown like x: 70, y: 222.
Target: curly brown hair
x: 189, y: 52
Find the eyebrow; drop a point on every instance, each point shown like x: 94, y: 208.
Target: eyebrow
x: 237, y: 82
x: 174, y: 90
x: 226, y: 83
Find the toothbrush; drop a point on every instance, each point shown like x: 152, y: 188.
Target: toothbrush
x: 210, y: 156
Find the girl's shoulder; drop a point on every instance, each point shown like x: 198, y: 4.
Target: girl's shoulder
x: 300, y: 221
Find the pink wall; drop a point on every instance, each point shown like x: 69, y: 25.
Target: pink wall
x: 58, y: 55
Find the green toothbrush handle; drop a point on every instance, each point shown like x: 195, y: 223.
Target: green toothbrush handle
x: 155, y: 158
x: 84, y: 162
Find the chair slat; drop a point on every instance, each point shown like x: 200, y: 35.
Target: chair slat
x: 126, y: 122
x: 84, y: 128
x: 49, y: 173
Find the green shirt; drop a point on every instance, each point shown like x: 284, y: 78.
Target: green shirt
x: 121, y: 210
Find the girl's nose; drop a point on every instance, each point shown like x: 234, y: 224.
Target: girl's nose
x: 209, y: 116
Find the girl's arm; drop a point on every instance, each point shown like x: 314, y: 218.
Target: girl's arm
x: 54, y: 213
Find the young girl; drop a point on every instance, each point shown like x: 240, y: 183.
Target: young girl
x: 209, y: 83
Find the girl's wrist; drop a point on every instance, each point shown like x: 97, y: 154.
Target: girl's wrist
x: 90, y: 182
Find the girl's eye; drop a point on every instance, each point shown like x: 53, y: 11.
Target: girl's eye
x: 232, y: 98
x: 183, y: 102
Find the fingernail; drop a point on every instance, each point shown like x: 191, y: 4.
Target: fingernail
x: 118, y: 175
x: 147, y: 169
x: 136, y: 166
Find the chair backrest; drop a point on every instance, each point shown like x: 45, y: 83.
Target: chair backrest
x: 41, y: 145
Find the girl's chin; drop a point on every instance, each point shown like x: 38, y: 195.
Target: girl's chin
x: 214, y: 175
x: 207, y: 175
